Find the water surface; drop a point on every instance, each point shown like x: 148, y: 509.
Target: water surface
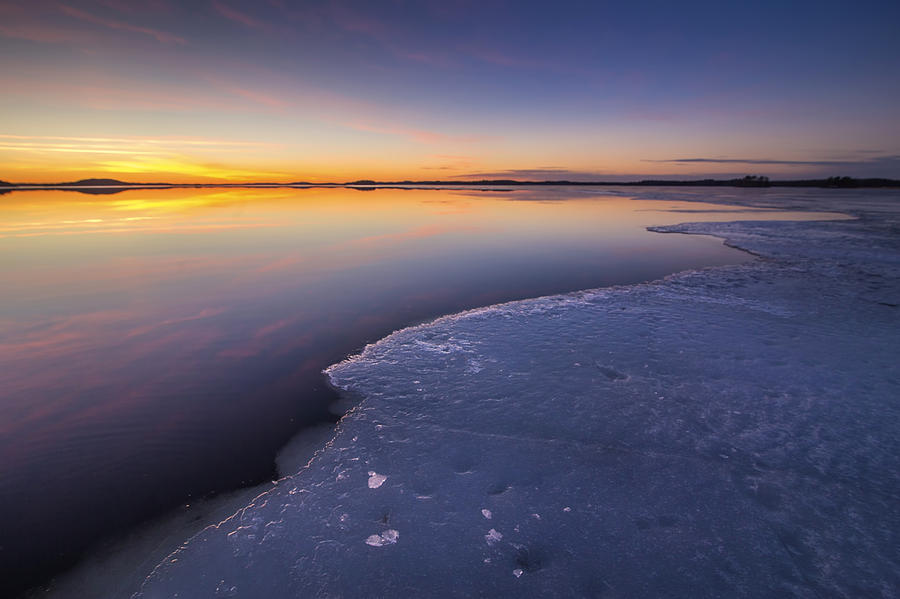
x: 161, y: 345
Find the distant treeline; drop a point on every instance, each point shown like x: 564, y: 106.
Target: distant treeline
x: 748, y: 181
x: 758, y: 181
x: 113, y: 185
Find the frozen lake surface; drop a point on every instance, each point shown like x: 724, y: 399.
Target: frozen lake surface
x: 161, y: 345
x: 730, y: 431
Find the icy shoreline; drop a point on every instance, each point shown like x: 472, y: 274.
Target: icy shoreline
x: 730, y: 431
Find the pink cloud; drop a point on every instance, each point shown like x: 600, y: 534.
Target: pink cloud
x: 160, y: 36
x: 242, y: 89
x: 380, y: 31
x: 37, y: 32
x: 237, y: 16
x: 275, y: 89
x: 352, y: 21
x: 99, y: 91
x: 126, y: 6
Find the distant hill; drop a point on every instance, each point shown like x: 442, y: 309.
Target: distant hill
x: 7, y: 184
x: 107, y: 182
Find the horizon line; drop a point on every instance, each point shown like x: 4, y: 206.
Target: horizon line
x: 746, y: 181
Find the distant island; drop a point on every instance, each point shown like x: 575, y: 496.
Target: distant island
x: 103, y: 182
x: 106, y: 186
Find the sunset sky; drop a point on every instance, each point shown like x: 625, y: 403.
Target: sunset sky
x: 237, y: 90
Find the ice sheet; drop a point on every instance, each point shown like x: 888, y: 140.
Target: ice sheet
x: 725, y: 432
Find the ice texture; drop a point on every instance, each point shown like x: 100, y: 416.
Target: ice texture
x: 493, y: 536
x: 728, y: 432
x: 376, y: 480
x: 388, y: 537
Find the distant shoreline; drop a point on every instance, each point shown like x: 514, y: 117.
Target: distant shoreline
x: 101, y: 186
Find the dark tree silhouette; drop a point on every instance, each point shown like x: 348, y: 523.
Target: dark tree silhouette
x: 753, y: 181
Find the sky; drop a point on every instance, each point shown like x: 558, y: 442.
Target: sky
x: 274, y: 90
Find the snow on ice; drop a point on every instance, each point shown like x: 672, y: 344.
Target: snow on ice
x: 731, y: 432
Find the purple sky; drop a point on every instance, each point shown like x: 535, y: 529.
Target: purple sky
x: 278, y: 90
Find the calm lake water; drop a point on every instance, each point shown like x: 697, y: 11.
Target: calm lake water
x: 160, y: 345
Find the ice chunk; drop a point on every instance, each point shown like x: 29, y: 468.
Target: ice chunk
x: 388, y: 537
x: 486, y: 513
x: 493, y: 536
x: 376, y: 480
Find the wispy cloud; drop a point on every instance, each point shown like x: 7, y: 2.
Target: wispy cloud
x: 515, y: 59
x: 386, y: 35
x: 173, y: 141
x: 126, y: 6
x: 275, y: 89
x: 42, y: 32
x: 51, y: 22
x: 103, y: 92
x: 128, y: 146
x: 881, y: 160
x: 232, y: 14
x: 70, y: 148
x: 746, y: 161
x: 160, y: 36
